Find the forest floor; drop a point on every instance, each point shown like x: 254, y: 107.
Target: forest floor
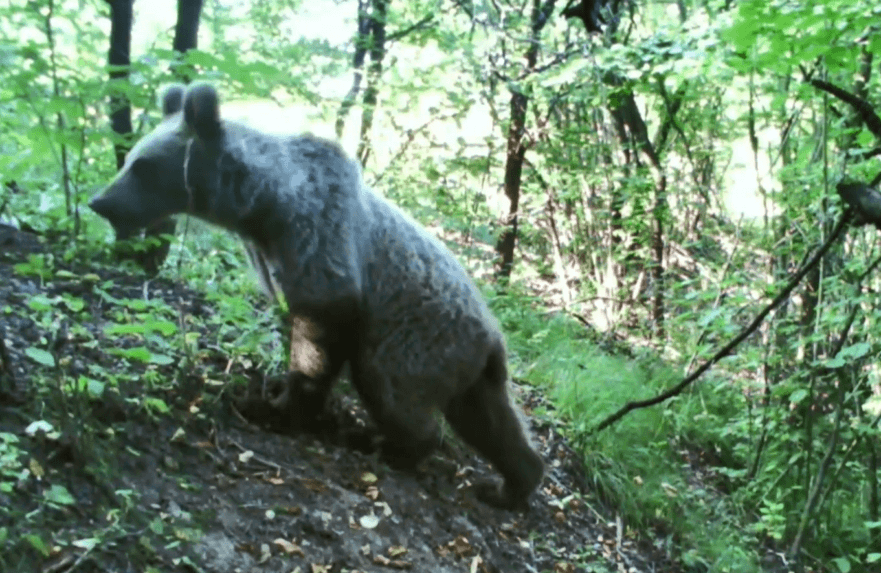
x: 101, y: 471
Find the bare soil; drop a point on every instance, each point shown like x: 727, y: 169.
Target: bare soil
x: 169, y: 477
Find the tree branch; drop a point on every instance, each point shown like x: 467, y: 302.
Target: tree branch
x: 728, y: 348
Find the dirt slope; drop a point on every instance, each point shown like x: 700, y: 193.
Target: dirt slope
x: 167, y: 477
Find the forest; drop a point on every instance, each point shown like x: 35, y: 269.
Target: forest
x: 671, y: 208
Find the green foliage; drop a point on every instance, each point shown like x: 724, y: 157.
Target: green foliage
x: 643, y: 465
x: 10, y: 462
x: 727, y: 466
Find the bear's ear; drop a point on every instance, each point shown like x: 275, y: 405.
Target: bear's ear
x: 172, y: 99
x: 202, y: 110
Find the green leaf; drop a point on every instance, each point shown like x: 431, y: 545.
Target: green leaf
x: 92, y: 386
x: 855, y: 350
x: 40, y: 302
x: 843, y: 564
x: 156, y: 404
x: 37, y: 544
x: 59, y: 494
x: 156, y: 526
x: 164, y: 327
x: 138, y: 353
x: 75, y: 304
x: 87, y: 544
x: 40, y: 356
x: 798, y: 395
x: 161, y: 359
x: 873, y: 557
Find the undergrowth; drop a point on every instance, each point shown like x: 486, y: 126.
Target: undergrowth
x: 657, y: 466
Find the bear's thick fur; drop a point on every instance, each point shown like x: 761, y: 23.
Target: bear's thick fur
x: 364, y: 283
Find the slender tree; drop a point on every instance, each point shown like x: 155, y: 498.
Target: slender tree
x: 516, y: 148
x: 119, y: 59
x: 186, y: 32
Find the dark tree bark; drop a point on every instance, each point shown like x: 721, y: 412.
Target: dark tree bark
x: 372, y: 38
x: 186, y: 32
x: 513, y: 175
x: 119, y: 59
x: 588, y: 11
x: 362, y: 41
x: 377, y: 21
x: 185, y: 38
x: 516, y: 149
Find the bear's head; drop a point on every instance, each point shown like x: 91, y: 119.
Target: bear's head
x: 165, y: 172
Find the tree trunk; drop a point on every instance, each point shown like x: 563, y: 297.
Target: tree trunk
x: 515, y: 147
x: 378, y: 16
x: 362, y: 41
x: 186, y: 32
x: 119, y: 59
x: 513, y: 172
x: 186, y: 35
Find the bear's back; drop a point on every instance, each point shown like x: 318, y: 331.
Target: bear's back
x: 410, y: 277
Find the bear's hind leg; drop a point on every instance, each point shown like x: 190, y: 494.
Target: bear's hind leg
x: 484, y: 417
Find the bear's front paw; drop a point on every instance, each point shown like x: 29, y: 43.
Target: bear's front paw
x: 497, y: 495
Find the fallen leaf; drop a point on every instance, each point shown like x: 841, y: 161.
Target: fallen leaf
x: 396, y: 551
x: 393, y: 563
x: 89, y: 543
x: 289, y: 547
x: 460, y: 546
x: 265, y: 554
x: 368, y: 521
x: 179, y: 435
x: 386, y: 509
x: 554, y: 490
x: 36, y: 469
x: 669, y: 490
x: 314, y: 485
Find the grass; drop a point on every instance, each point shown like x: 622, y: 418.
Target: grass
x: 640, y: 465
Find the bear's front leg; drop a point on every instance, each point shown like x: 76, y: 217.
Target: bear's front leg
x: 315, y: 360
x: 298, y: 399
